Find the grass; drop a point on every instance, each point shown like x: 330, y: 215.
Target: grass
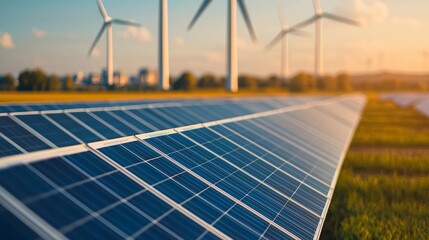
x: 383, y: 188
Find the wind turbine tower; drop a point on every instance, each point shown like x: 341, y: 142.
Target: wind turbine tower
x: 107, y: 26
x: 283, y: 38
x: 318, y: 18
x: 163, y: 54
x: 232, y: 61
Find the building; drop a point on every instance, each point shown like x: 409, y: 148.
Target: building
x: 120, y: 79
x: 147, y: 78
x: 94, y: 79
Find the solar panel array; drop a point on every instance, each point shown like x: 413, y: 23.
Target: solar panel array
x: 419, y: 101
x: 224, y: 169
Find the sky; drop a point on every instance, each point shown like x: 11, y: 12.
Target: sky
x: 56, y: 36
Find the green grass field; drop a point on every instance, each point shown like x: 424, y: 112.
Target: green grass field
x: 383, y: 188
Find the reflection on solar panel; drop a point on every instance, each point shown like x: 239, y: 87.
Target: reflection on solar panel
x: 418, y: 100
x: 229, y: 169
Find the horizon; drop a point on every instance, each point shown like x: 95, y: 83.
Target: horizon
x: 42, y: 41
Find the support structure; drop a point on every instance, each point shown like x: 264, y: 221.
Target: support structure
x: 232, y: 74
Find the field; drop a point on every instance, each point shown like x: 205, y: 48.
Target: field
x: 383, y: 188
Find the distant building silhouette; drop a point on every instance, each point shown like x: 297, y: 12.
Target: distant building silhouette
x: 147, y: 78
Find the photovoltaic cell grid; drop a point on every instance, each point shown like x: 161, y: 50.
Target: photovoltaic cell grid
x: 419, y: 101
x: 268, y: 175
x: 22, y: 132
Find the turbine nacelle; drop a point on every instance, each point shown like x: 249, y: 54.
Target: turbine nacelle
x: 108, y: 20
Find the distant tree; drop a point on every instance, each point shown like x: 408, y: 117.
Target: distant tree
x: 187, y: 81
x: 32, y: 80
x: 302, y: 82
x: 327, y: 83
x: 208, y: 81
x: 344, y: 82
x: 248, y: 82
x: 274, y: 82
x: 53, y: 83
x: 69, y: 83
x: 7, y: 83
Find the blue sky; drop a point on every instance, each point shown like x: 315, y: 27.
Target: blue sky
x: 56, y: 36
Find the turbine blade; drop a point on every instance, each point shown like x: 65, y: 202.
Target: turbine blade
x: 299, y: 33
x: 100, y: 33
x: 277, y: 39
x: 102, y: 9
x: 246, y: 17
x: 304, y: 23
x: 281, y: 13
x: 341, y: 19
x: 317, y: 7
x: 125, y: 22
x: 199, y: 12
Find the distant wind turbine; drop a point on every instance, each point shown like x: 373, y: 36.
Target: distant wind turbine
x: 319, y: 15
x: 232, y: 69
x: 107, y: 25
x: 282, y: 37
x: 163, y: 54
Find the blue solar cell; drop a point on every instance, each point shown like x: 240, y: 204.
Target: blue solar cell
x: 93, y: 229
x: 29, y: 183
x: 13, y: 228
x: 58, y: 171
x: 96, y: 125
x: 6, y: 148
x: 179, y: 115
x: 156, y: 122
x: 74, y: 127
x: 128, y: 131
x: 20, y: 135
x: 182, y: 225
x: 137, y: 123
x: 89, y: 163
x: 126, y: 219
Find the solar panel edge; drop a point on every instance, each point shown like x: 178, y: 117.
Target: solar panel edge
x: 337, y: 172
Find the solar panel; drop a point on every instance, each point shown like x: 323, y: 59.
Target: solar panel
x: 259, y: 175
x: 419, y: 101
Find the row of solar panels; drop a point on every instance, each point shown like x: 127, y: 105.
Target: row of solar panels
x: 420, y: 101
x: 10, y: 108
x: 268, y: 175
x: 32, y: 131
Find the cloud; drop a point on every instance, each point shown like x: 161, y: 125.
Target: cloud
x: 365, y: 11
x: 213, y: 56
x: 179, y: 41
x: 6, y: 41
x: 37, y: 33
x: 96, y: 53
x: 405, y: 22
x: 139, y: 34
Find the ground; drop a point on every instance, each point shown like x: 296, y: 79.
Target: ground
x: 383, y: 188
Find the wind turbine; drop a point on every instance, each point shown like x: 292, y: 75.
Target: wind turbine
x: 107, y: 26
x: 282, y: 37
x: 319, y: 15
x: 163, y: 54
x: 232, y: 65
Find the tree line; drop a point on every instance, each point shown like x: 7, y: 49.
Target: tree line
x: 36, y: 80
